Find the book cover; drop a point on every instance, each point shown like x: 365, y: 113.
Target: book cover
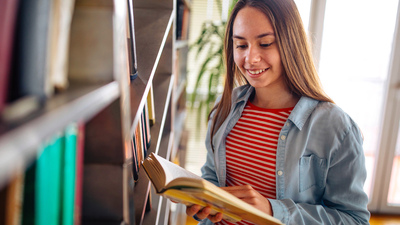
x: 48, y: 180
x: 144, y: 132
x: 79, y: 173
x: 179, y: 20
x: 139, y: 142
x: 8, y: 15
x: 185, y: 24
x: 150, y: 105
x: 32, y: 49
x: 68, y: 175
x: 180, y: 185
x: 3, y: 200
x: 59, y: 33
x: 135, y: 165
x: 146, y: 122
x: 29, y: 197
x: 14, y: 199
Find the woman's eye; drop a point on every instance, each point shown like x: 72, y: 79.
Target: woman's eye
x: 241, y: 46
x: 265, y: 45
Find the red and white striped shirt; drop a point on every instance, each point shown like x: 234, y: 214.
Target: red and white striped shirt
x: 251, y: 150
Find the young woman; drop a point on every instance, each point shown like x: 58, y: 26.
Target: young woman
x: 278, y: 142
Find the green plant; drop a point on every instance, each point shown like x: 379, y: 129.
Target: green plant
x: 210, y: 42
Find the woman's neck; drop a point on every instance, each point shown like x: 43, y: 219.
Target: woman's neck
x: 270, y: 99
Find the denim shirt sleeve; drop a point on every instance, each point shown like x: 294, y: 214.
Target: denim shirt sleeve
x: 344, y: 200
x: 208, y: 170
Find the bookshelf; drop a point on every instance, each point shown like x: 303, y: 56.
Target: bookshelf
x: 102, y: 103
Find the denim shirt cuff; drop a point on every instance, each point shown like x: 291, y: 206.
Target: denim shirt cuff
x: 280, y: 211
x: 197, y: 218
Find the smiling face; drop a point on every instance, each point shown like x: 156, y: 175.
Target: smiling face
x: 255, y: 50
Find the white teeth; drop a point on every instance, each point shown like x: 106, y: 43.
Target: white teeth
x: 255, y: 72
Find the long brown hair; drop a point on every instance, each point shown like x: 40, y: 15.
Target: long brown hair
x: 300, y: 74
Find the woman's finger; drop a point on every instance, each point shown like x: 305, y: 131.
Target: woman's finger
x: 242, y: 191
x: 202, y: 214
x: 215, y: 218
x: 192, y: 210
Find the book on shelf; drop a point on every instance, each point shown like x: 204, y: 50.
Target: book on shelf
x: 143, y: 134
x: 180, y: 185
x: 146, y: 127
x: 138, y: 144
x: 32, y: 49
x: 29, y: 198
x: 48, y: 182
x: 41, y: 47
x: 147, y: 121
x: 182, y: 22
x: 69, y: 174
x: 50, y: 187
x: 59, y: 33
x: 79, y: 173
x: 3, y: 204
x: 8, y: 16
x: 135, y: 161
x: 11, y: 200
x: 150, y: 105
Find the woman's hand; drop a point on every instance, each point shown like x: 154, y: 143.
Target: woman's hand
x: 251, y: 196
x: 245, y: 193
x: 203, y: 213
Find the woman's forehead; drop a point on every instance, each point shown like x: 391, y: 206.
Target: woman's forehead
x: 251, y: 21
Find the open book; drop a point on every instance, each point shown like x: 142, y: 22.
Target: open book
x: 180, y: 185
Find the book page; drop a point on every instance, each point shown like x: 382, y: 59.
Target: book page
x: 174, y: 171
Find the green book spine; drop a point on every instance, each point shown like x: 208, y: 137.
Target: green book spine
x: 29, y: 198
x: 69, y: 175
x: 48, y: 177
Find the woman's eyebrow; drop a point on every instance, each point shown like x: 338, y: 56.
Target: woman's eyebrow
x: 258, y: 36
x: 238, y: 37
x: 266, y: 34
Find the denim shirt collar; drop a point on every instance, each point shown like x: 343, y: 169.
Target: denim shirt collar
x: 303, y: 109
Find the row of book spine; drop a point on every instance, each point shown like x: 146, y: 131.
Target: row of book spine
x: 182, y: 20
x: 34, y: 44
x: 142, y: 137
x: 50, y: 190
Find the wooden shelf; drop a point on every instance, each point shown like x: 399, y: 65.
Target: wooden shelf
x: 158, y: 215
x: 149, y: 43
x: 149, y: 48
x: 143, y: 185
x: 140, y: 196
x: 19, y: 142
x: 159, y: 137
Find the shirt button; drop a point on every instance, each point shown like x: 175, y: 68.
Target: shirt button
x: 283, y: 137
x: 280, y: 173
x: 287, y: 124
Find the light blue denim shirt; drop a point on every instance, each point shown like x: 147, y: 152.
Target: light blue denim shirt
x: 320, y: 168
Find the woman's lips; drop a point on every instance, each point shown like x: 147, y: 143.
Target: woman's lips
x: 256, y: 72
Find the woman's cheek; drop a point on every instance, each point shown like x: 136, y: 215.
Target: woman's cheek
x: 238, y: 58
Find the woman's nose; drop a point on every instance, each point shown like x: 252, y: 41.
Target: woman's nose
x: 253, y: 55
